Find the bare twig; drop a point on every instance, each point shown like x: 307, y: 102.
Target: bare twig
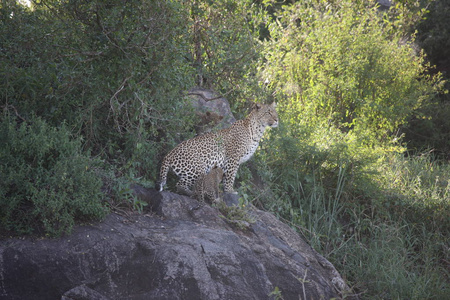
x: 303, y: 281
x: 6, y: 107
x: 120, y: 89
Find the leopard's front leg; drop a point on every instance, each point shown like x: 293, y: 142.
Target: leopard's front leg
x: 229, y: 176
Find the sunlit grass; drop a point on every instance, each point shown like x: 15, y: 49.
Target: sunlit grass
x: 418, y: 188
x: 388, y: 236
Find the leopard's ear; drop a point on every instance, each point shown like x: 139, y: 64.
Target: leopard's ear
x: 256, y: 105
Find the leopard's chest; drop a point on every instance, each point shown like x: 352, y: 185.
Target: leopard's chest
x: 249, y: 151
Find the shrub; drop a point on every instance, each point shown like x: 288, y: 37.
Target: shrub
x: 345, y: 80
x: 46, y: 182
x: 334, y: 67
x: 113, y: 71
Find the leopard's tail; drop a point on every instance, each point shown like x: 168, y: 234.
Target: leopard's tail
x: 163, y: 175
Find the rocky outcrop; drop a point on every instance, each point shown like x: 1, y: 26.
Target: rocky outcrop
x: 213, y: 110
x: 176, y: 250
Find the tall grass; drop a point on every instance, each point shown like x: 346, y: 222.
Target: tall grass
x: 388, y: 242
x: 418, y: 189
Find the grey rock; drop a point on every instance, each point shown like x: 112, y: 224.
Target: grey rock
x: 386, y: 3
x: 213, y: 110
x: 175, y: 250
x: 231, y: 199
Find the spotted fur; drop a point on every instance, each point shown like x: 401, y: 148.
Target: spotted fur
x: 226, y: 148
x: 207, y: 185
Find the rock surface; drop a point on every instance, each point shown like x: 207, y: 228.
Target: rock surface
x: 214, y: 110
x: 176, y: 250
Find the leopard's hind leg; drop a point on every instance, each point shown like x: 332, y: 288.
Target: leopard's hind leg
x: 183, y: 187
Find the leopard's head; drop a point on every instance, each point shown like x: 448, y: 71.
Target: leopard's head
x: 266, y: 114
x: 217, y: 173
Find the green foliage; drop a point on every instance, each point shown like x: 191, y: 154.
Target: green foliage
x: 223, y: 43
x: 114, y: 72
x: 392, y: 262
x: 433, y: 35
x: 346, y: 77
x: 119, y: 189
x: 335, y: 67
x: 225, y: 47
x: 434, y: 32
x: 418, y: 190
x: 430, y: 132
x: 238, y: 216
x: 46, y: 182
x: 346, y: 80
x: 393, y: 246
x: 276, y: 293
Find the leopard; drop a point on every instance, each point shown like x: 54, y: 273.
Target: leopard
x: 227, y: 148
x: 207, y: 186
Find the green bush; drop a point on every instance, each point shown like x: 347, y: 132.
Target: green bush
x: 334, y: 67
x: 430, y: 132
x: 225, y: 49
x: 46, y: 182
x: 346, y: 80
x: 114, y: 72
